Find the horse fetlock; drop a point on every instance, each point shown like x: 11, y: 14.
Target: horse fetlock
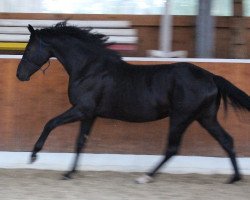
x: 144, y: 179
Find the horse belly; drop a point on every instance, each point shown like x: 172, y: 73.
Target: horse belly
x: 134, y: 111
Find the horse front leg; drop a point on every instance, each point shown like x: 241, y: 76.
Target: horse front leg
x: 85, y: 130
x: 71, y: 115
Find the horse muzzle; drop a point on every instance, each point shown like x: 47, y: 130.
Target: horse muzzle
x: 22, y: 77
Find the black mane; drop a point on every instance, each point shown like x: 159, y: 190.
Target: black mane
x: 84, y: 34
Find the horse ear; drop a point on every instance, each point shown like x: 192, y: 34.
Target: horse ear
x: 31, y: 29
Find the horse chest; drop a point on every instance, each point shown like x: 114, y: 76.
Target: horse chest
x: 85, y: 92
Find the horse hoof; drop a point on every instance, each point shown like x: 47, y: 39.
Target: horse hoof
x: 33, y: 158
x: 66, y: 176
x: 234, y: 179
x: 144, y: 179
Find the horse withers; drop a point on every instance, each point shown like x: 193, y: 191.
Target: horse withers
x: 101, y: 84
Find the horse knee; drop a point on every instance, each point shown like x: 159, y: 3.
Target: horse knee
x: 171, y: 151
x: 51, y: 124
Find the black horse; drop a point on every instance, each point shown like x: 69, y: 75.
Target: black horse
x: 101, y: 84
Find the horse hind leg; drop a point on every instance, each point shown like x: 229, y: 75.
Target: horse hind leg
x: 224, y: 139
x: 177, y: 128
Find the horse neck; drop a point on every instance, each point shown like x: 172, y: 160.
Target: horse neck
x: 68, y: 55
x: 79, y: 62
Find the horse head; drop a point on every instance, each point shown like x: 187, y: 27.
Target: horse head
x: 36, y: 54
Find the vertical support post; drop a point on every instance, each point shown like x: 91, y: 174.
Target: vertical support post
x: 238, y: 32
x: 166, y: 37
x: 204, y: 30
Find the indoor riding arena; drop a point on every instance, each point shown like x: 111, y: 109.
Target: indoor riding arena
x: 118, y: 127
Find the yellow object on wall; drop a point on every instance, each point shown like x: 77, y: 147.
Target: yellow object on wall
x: 12, y: 46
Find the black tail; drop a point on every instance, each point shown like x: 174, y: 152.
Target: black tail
x: 237, y: 97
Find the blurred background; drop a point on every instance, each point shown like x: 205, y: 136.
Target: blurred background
x: 199, y: 28
x: 136, y: 7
